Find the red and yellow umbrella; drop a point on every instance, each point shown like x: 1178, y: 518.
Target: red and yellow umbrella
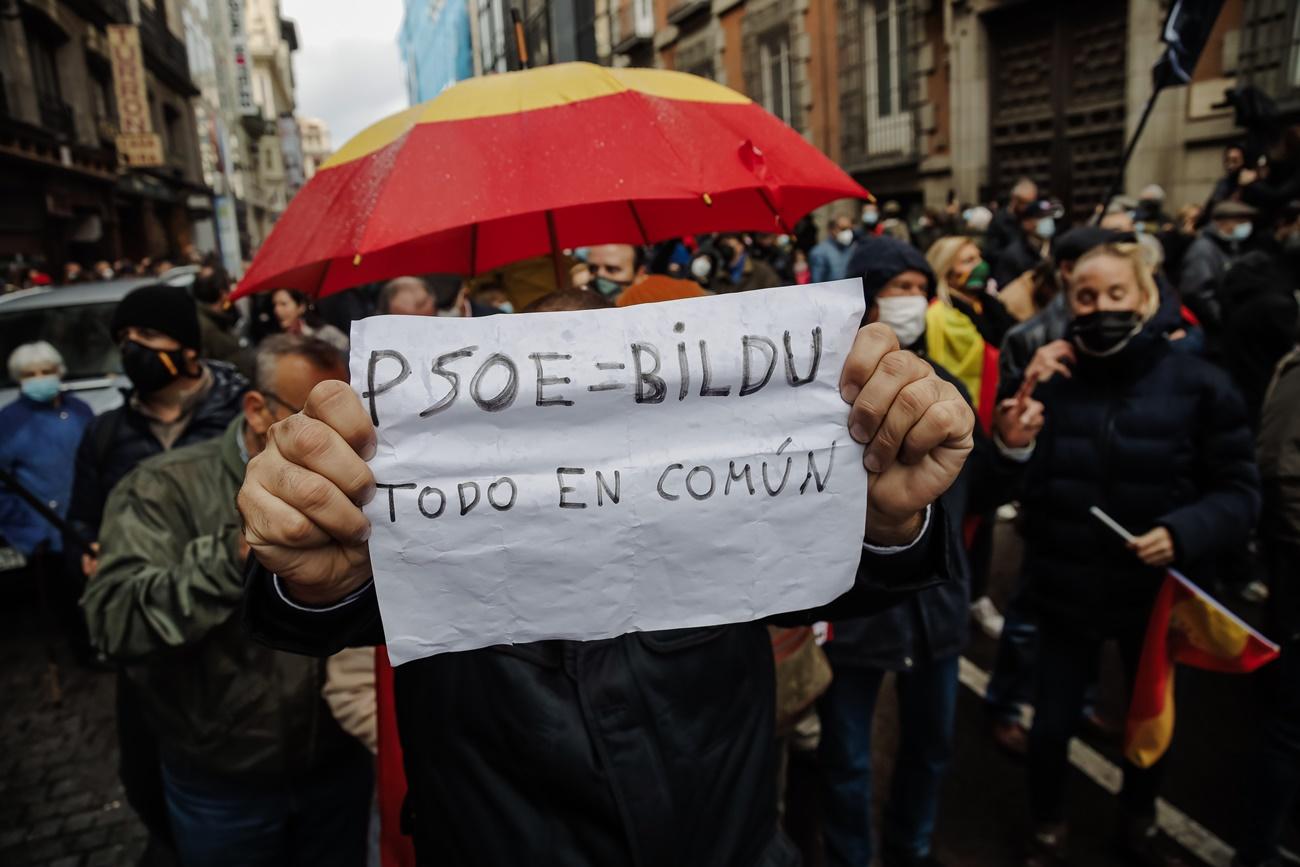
x: 522, y: 164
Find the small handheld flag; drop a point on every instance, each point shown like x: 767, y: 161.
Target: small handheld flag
x: 1190, y: 627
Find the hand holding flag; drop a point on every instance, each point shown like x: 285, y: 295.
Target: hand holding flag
x: 1187, y: 626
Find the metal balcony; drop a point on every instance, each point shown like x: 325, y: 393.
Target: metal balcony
x: 165, y: 53
x: 56, y: 115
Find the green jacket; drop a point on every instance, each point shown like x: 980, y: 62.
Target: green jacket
x: 166, y: 603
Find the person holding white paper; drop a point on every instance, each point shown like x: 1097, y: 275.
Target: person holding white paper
x: 650, y: 748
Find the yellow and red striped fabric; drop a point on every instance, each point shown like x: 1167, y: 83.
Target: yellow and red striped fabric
x: 495, y: 169
x: 1187, y: 627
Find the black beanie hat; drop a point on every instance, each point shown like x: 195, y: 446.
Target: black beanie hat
x: 166, y: 309
x: 877, y: 259
x: 1070, y: 245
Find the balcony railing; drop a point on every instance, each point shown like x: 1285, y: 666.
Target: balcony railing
x: 56, y: 115
x: 631, y: 26
x: 167, y: 52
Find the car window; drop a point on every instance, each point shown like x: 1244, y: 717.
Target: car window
x: 81, y: 333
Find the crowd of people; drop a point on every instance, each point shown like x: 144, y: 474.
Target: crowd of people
x: 1140, y: 363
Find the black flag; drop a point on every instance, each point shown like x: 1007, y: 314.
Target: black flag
x: 1186, y: 29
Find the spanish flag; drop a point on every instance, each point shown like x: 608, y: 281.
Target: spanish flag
x: 1187, y: 626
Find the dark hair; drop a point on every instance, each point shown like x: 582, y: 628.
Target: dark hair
x: 208, y: 288
x: 444, y: 288
x: 310, y: 317
x: 568, y: 299
x: 396, y: 285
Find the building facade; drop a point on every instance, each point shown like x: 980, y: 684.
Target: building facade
x: 436, y: 46
x: 273, y: 169
x: 316, y: 145
x: 66, y: 191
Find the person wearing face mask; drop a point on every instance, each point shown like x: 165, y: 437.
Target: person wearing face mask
x: 1208, y: 259
x: 829, y: 260
x: 175, y: 400
x: 1031, y: 245
x: 740, y: 271
x: 967, y: 325
x: 255, y: 769
x: 919, y: 641
x: 39, y: 433
x: 1159, y: 441
x: 1259, y: 310
x: 871, y: 219
x: 614, y: 268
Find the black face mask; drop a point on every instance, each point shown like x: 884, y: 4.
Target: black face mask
x: 151, y: 370
x: 1104, y: 332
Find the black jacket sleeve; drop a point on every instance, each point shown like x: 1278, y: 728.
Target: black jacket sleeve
x: 313, y: 633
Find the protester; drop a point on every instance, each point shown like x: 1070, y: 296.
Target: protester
x: 919, y: 640
x: 1173, y: 465
x: 1271, y: 777
x: 965, y: 329
x: 491, y: 296
x: 254, y: 767
x: 218, y: 320
x: 870, y: 218
x: 407, y: 296
x: 1004, y: 229
x: 740, y: 272
x: 775, y: 250
x: 175, y: 400
x: 894, y: 224
x: 1259, y: 312
x: 39, y: 433
x: 1029, y: 247
x: 294, y: 314
x: 1225, y: 188
x: 681, y: 722
x: 1208, y: 259
x: 829, y: 260
x: 614, y: 268
x: 1149, y: 215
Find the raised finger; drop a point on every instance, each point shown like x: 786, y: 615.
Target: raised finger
x: 896, y: 371
x: 337, y: 405
x: 316, y: 446
x: 872, y: 343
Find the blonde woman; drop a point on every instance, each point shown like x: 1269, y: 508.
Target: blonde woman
x: 965, y: 326
x: 1159, y: 441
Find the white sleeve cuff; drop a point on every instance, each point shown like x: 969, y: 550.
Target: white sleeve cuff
x: 1020, y: 455
x: 318, y: 609
x: 898, y: 549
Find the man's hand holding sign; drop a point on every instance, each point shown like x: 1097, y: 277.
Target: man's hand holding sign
x: 583, y: 475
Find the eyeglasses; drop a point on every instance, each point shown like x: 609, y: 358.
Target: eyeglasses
x: 270, y: 395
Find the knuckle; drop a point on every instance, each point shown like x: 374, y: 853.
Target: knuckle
x: 881, y: 334
x: 297, y: 531
x: 915, y: 399
x: 897, y: 364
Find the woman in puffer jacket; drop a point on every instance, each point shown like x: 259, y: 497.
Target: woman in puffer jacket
x: 1159, y: 441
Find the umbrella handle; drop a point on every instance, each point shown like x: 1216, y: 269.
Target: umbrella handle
x: 557, y: 255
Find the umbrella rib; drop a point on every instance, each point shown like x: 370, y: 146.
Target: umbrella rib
x: 631, y: 206
x: 780, y: 221
x: 473, y: 249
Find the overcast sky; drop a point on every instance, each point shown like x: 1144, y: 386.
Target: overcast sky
x: 347, y: 66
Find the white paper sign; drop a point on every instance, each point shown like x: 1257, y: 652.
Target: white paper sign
x: 584, y: 475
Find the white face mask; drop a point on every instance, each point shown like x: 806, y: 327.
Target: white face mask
x: 701, y: 267
x: 844, y: 237
x: 905, y: 314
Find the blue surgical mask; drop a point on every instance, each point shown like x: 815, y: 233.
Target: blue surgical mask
x: 41, y: 389
x: 506, y: 307
x: 580, y: 253
x: 1241, y: 231
x: 1046, y: 227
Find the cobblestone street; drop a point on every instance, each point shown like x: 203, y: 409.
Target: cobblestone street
x: 60, y: 800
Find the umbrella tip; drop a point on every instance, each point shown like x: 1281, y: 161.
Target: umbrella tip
x: 356, y: 260
x: 708, y: 200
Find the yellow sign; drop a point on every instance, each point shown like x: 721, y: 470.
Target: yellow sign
x: 136, y: 141
x: 140, y: 149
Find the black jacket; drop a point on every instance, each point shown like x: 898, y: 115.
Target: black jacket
x: 116, y: 441
x: 935, y: 622
x: 1259, y: 322
x: 653, y: 749
x: 1154, y: 437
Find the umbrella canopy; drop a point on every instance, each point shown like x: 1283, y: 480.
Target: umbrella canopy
x: 521, y: 164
